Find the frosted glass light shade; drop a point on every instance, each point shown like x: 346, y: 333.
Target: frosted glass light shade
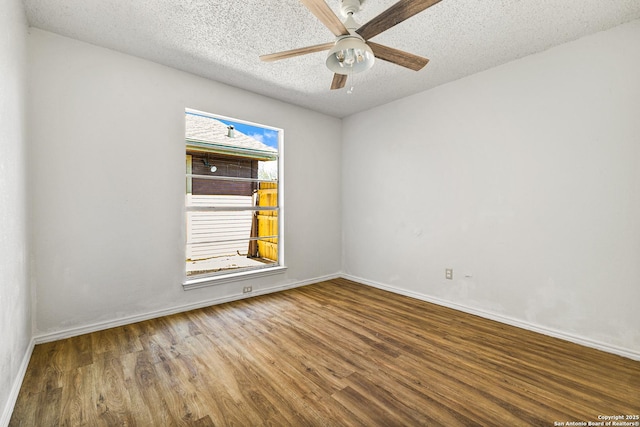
x: 350, y: 55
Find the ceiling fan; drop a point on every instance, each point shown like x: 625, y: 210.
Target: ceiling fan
x: 352, y: 51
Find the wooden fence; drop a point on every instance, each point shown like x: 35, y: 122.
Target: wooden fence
x: 268, y: 221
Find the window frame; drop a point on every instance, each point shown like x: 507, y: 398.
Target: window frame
x: 233, y: 275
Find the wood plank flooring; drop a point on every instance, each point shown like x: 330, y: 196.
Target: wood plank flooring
x: 331, y: 354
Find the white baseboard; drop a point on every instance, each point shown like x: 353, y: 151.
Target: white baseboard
x: 71, y: 332
x: 502, y: 319
x: 15, y: 387
x: 99, y: 326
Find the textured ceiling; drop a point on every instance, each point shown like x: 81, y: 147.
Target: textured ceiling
x: 222, y: 40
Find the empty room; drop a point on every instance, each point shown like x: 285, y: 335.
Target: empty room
x: 319, y: 213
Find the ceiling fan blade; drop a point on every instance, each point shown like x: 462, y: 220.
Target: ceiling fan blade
x: 399, y: 57
x: 296, y: 52
x: 324, y: 13
x: 339, y: 80
x: 397, y: 13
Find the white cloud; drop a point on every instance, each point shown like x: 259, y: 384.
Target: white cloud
x: 258, y: 136
x: 271, y: 138
x: 268, y: 137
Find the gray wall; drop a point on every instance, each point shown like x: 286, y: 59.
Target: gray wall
x: 109, y: 236
x: 15, y: 300
x: 524, y: 179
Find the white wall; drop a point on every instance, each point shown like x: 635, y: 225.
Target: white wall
x: 525, y: 177
x: 15, y: 303
x: 107, y: 158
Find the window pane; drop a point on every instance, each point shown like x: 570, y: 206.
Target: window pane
x: 232, y: 217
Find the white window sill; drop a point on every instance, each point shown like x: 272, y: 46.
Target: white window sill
x: 203, y: 282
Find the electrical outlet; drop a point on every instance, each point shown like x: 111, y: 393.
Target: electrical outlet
x: 448, y: 274
x: 247, y: 289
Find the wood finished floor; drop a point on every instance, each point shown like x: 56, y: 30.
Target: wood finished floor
x: 331, y: 354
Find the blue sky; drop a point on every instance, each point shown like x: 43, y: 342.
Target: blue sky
x: 266, y: 136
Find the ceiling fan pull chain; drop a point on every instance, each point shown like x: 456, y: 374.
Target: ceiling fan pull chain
x: 352, y: 85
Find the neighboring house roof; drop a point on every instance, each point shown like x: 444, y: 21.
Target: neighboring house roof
x: 211, y: 135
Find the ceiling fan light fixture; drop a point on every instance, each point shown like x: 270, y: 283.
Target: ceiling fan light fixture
x: 350, y: 55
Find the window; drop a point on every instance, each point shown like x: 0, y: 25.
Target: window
x: 232, y: 199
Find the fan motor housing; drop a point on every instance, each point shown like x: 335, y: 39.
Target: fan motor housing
x: 349, y: 7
